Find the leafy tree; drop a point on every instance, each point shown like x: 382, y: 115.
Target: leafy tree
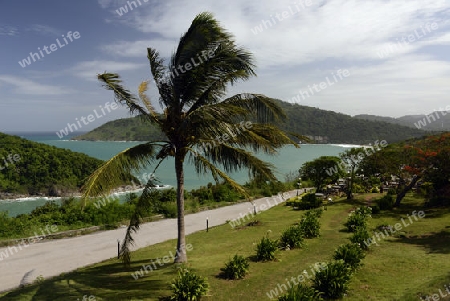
x: 412, y: 161
x: 321, y: 171
x: 352, y: 158
x: 194, y: 115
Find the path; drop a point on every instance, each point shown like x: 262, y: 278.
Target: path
x: 51, y: 258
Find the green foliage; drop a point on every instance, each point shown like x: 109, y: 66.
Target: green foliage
x: 354, y: 221
x: 124, y: 129
x: 301, y: 292
x: 356, y: 131
x: 438, y: 201
x: 292, y: 238
x: 375, y: 209
x: 358, y: 218
x: 236, y: 268
x: 310, y: 224
x: 188, y: 286
x: 386, y: 202
x: 309, y: 201
x: 222, y: 192
x: 333, y: 281
x: 41, y: 168
x: 266, y: 249
x: 351, y: 254
x: 321, y: 171
x: 360, y: 236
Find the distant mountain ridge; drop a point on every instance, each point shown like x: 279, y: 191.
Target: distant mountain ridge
x: 435, y: 121
x: 320, y: 125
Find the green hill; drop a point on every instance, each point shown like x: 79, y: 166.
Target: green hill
x: 320, y: 125
x: 435, y: 121
x: 32, y: 168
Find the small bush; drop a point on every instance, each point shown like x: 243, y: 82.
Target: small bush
x: 391, y: 191
x: 375, y: 209
x: 310, y: 225
x: 266, y: 249
x: 236, y: 268
x: 351, y: 254
x: 360, y: 236
x: 292, y: 238
x: 301, y: 292
x: 332, y: 282
x: 309, y: 201
x: 354, y: 221
x: 188, y: 286
x: 386, y: 202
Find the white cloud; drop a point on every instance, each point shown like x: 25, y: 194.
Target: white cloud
x: 7, y: 30
x: 139, y: 48
x: 29, y: 87
x: 45, y: 30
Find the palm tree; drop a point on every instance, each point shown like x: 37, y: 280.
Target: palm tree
x: 191, y: 91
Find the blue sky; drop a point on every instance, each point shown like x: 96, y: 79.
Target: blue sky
x: 395, y: 54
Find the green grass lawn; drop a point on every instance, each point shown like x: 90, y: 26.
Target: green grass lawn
x: 414, y: 263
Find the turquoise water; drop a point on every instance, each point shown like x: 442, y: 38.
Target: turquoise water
x: 288, y: 160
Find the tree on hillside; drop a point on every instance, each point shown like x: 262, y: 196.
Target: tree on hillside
x: 201, y: 127
x: 318, y: 171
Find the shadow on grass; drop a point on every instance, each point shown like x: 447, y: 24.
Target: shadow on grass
x: 435, y: 242
x: 106, y: 282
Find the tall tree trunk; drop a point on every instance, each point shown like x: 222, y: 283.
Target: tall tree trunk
x: 181, y: 255
x: 405, y: 190
x: 350, y: 186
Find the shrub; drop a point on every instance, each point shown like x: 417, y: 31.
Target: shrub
x: 386, y: 202
x: 309, y: 201
x: 236, y: 268
x: 354, y: 221
x: 266, y: 249
x: 391, y: 191
x: 375, y: 209
x: 438, y: 201
x: 301, y: 292
x: 292, y: 238
x: 360, y: 236
x: 351, y: 254
x: 333, y: 281
x: 188, y: 286
x: 310, y: 225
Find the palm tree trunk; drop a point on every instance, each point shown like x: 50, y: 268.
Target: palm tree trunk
x: 181, y: 255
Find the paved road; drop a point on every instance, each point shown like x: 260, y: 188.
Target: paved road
x: 51, y: 258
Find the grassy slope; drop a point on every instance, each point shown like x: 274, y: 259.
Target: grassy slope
x: 399, y: 269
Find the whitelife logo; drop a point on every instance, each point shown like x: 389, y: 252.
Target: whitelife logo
x: 71, y: 127
x: 53, y: 47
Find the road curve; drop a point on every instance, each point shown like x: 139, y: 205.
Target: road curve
x: 53, y: 257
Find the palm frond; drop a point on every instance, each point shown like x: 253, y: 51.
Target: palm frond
x: 262, y: 107
x: 143, y: 87
x: 143, y: 205
x: 113, y: 172
x: 203, y: 166
x: 234, y: 159
x: 112, y: 82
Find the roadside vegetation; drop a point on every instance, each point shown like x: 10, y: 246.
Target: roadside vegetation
x: 110, y: 213
x: 411, y: 264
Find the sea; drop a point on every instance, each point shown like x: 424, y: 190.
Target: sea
x: 289, y: 159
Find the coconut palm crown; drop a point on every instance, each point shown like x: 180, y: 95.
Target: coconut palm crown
x: 192, y: 90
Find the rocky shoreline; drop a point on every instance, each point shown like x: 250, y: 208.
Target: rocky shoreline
x: 66, y: 194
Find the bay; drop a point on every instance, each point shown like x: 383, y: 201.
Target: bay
x: 288, y: 159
